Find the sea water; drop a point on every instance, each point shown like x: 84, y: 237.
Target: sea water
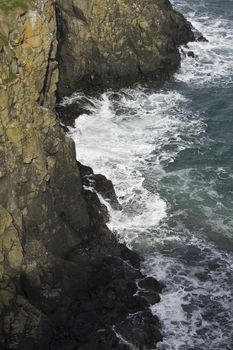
x: 169, y: 154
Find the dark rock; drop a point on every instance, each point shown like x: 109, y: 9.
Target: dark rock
x: 66, y: 281
x: 100, y: 184
x: 150, y: 283
x: 151, y: 297
x: 69, y: 112
x: 191, y: 54
x: 198, y: 36
x: 105, y: 188
x: 142, y: 43
x: 141, y: 330
x: 201, y: 38
x: 104, y: 296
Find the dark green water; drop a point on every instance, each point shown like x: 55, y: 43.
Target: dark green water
x: 169, y: 153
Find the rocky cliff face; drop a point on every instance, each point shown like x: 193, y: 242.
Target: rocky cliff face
x: 64, y: 281
x: 42, y: 211
x: 114, y: 43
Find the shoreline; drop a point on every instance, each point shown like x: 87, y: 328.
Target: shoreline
x: 66, y: 280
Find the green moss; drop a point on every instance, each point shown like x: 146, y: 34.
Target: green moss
x: 3, y: 40
x: 11, y: 5
x: 12, y: 77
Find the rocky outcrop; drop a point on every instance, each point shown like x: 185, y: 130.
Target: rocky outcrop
x: 117, y: 42
x: 65, y: 282
x: 42, y: 211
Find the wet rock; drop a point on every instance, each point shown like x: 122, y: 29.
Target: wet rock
x: 201, y: 38
x: 103, y: 297
x: 198, y: 36
x: 191, y: 54
x: 66, y: 283
x: 151, y: 284
x: 105, y: 188
x: 151, y: 297
x: 141, y: 329
x: 100, y: 184
x: 68, y: 113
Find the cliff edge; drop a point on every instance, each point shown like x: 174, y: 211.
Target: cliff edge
x: 115, y: 43
x: 65, y: 281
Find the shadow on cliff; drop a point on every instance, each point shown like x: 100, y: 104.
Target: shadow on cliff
x: 95, y: 297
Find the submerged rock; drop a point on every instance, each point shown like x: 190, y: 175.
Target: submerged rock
x: 115, y: 43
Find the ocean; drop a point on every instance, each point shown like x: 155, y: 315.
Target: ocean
x: 169, y: 154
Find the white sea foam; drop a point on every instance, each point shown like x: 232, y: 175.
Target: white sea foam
x: 196, y: 306
x: 120, y: 144
x: 133, y: 137
x: 153, y: 130
x: 213, y: 63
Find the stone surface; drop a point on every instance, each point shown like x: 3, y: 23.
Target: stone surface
x: 100, y: 184
x: 117, y: 42
x: 43, y: 214
x: 64, y: 278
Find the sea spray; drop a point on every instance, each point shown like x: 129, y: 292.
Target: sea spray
x: 168, y: 152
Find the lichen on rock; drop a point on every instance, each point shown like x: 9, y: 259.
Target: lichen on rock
x: 63, y: 275
x: 117, y: 42
x: 37, y: 161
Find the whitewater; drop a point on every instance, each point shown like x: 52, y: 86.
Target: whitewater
x: 169, y: 153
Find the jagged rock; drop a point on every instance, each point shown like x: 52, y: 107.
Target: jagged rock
x: 100, y: 184
x: 117, y: 42
x: 191, y: 54
x: 151, y: 284
x: 151, y: 297
x: 140, y: 329
x: 68, y: 113
x: 64, y: 278
x: 198, y: 35
x: 43, y: 214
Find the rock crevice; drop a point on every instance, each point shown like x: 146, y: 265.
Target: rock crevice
x: 115, y: 43
x: 65, y: 281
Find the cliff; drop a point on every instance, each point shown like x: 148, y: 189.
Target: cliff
x: 65, y: 282
x: 42, y: 212
x: 115, y: 43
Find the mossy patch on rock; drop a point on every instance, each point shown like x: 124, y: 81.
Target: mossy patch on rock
x: 11, y: 5
x: 3, y: 40
x: 10, y: 79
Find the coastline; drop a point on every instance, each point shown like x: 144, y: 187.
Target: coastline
x: 66, y: 281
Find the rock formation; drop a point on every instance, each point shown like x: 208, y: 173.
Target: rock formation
x: 65, y: 282
x: 117, y: 42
